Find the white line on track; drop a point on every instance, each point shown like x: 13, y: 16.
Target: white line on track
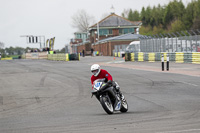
x: 115, y: 62
x: 188, y: 83
x: 180, y: 131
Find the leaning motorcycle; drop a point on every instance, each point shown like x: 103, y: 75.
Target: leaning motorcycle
x: 108, y: 97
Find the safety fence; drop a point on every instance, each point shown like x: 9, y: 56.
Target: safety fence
x: 178, y: 57
x: 63, y: 57
x: 183, y: 41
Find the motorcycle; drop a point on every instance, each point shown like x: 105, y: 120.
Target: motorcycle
x: 108, y: 97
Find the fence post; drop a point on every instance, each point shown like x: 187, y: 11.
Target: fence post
x: 190, y: 40
x: 167, y: 61
x: 196, y: 40
x: 180, y: 36
x: 185, y: 39
x: 162, y: 63
x: 176, y: 41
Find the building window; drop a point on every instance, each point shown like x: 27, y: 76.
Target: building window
x: 78, y: 36
x: 120, y: 31
x: 110, y: 32
x: 105, y: 32
x: 126, y: 30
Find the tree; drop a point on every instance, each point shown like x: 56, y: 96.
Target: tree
x: 196, y: 23
x: 2, y: 51
x: 158, y: 29
x: 189, y: 15
x: 1, y: 45
x: 143, y: 16
x: 168, y: 18
x: 130, y: 15
x: 146, y: 30
x: 82, y: 20
x: 125, y: 13
x: 177, y: 25
x: 196, y: 9
x: 136, y: 16
x: 19, y: 50
x: 62, y: 50
x: 196, y: 18
x: 148, y: 15
x: 15, y: 51
x: 175, y: 10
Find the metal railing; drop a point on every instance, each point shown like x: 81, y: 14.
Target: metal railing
x: 188, y: 41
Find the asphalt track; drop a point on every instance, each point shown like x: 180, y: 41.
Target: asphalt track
x: 41, y: 96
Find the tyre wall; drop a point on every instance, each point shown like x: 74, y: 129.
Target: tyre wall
x: 178, y: 57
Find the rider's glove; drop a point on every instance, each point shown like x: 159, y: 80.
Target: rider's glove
x: 109, y: 82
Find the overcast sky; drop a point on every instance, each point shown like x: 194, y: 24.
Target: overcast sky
x: 52, y: 18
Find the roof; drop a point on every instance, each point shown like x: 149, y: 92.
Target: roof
x: 129, y: 37
x: 114, y: 20
x: 80, y: 33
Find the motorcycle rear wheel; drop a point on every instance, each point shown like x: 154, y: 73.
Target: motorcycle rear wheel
x: 107, y: 104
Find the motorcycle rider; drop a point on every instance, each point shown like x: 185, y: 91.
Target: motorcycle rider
x: 100, y: 74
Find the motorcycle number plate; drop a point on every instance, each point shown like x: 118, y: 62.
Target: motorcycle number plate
x: 97, y: 85
x: 118, y: 106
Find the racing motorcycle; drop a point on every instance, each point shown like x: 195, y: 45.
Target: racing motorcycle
x: 108, y: 97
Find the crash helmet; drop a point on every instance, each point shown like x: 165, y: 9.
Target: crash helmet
x: 95, y: 69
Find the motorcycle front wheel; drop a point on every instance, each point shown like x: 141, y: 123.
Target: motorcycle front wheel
x: 124, y: 107
x: 107, y: 104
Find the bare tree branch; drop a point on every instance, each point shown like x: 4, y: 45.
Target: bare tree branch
x: 1, y: 45
x: 125, y: 13
x: 82, y: 20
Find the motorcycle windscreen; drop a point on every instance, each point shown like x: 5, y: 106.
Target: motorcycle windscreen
x: 97, y: 85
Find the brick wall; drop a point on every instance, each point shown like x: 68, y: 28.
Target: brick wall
x: 80, y: 48
x: 107, y: 48
x: 86, y: 48
x: 115, y: 32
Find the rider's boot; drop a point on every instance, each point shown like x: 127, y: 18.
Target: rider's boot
x: 117, y: 88
x: 119, y: 92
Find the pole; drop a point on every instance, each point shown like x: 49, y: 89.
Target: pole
x: 196, y: 40
x: 185, y: 36
x: 167, y: 41
x: 190, y: 40
x: 180, y: 37
x: 40, y: 43
x: 171, y: 41
x: 176, y: 42
x: 167, y: 62
x: 98, y: 30
x: 162, y: 64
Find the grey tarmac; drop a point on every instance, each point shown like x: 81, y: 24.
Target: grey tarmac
x: 42, y: 96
